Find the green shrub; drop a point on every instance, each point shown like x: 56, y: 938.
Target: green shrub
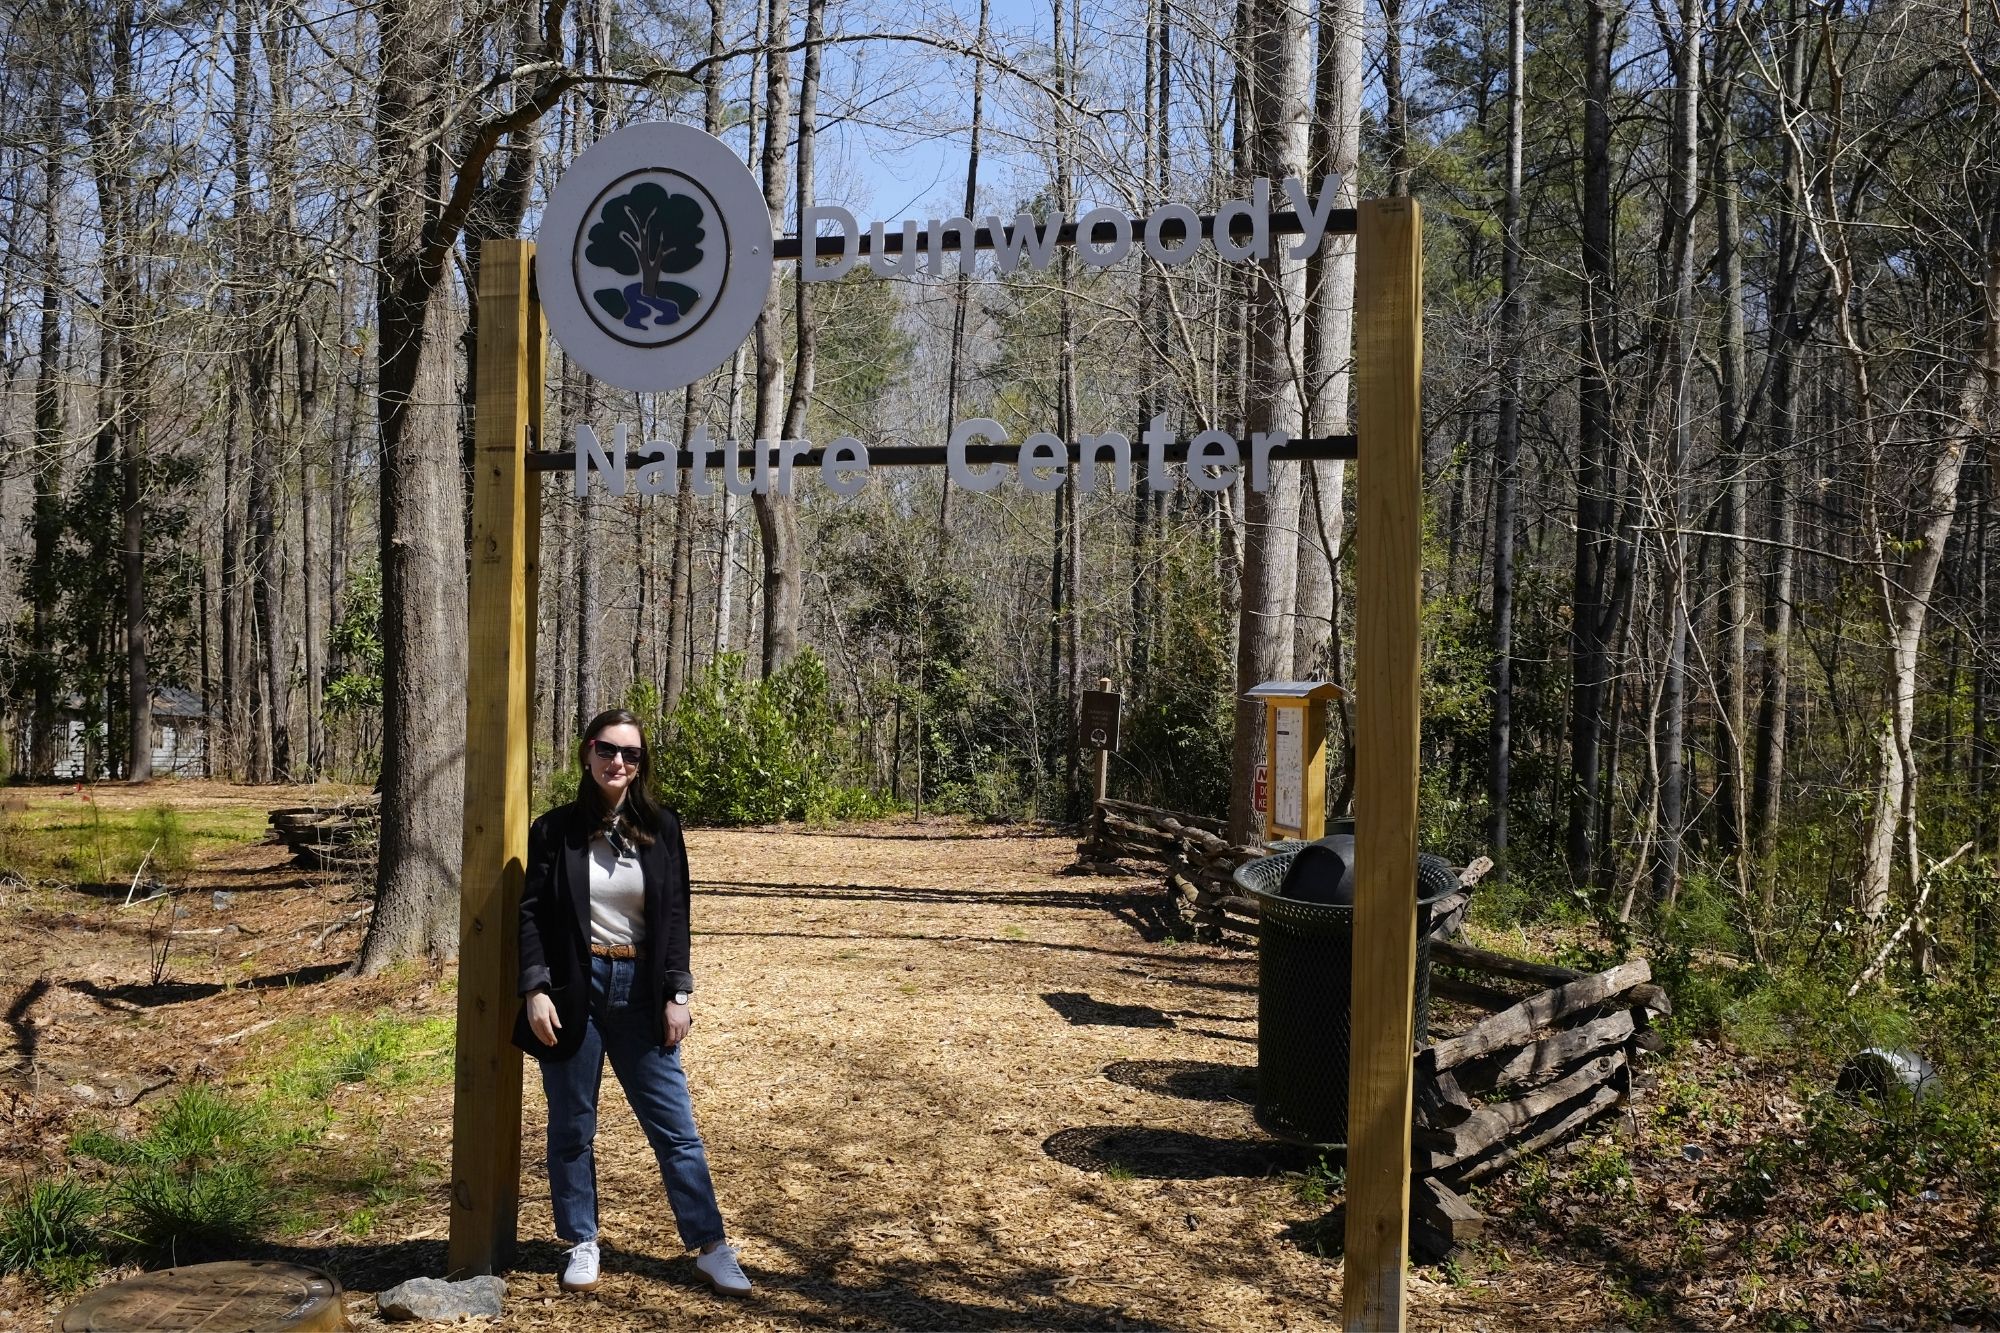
x: 48, y: 1227
x: 1807, y: 1010
x: 1870, y: 1154
x: 737, y: 751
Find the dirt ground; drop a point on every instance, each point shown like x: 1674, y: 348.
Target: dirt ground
x: 942, y: 1086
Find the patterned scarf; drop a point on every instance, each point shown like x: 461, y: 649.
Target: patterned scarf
x: 614, y: 824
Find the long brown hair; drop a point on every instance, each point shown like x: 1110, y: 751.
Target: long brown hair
x: 639, y: 814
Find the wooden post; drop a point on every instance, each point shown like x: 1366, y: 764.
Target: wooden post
x: 1103, y: 756
x: 1389, y: 514
x: 486, y: 1106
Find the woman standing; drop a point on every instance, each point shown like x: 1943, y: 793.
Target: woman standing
x: 604, y: 969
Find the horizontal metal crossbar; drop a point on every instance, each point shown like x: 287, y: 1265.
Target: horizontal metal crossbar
x: 1342, y: 222
x: 1320, y: 449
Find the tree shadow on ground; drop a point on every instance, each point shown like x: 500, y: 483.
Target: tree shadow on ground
x: 1172, y: 1154
x: 17, y: 1019
x: 907, y: 893
x: 1190, y: 1080
x: 812, y: 1296
x: 1080, y: 1010
x: 1204, y: 983
x: 1150, y: 913
x: 151, y: 891
x: 1325, y: 1236
x: 363, y: 1267
x: 847, y: 938
x: 150, y: 996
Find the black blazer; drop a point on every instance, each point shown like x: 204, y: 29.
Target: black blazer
x: 555, y: 926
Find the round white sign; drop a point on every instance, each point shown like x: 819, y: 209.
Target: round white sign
x: 654, y: 257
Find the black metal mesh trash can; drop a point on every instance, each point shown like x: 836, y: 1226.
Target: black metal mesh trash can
x: 1304, y: 985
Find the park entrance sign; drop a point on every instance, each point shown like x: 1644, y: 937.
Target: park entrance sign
x: 654, y: 265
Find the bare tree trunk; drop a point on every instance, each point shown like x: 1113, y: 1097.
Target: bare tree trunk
x: 1590, y: 628
x: 777, y: 516
x: 1280, y: 116
x: 806, y: 331
x: 680, y: 589
x: 1393, y: 95
x: 725, y: 610
x: 962, y: 296
x: 1329, y: 341
x: 422, y: 521
x: 43, y: 584
x: 1507, y: 441
x: 122, y: 416
x: 589, y: 612
x: 1906, y: 594
x: 1734, y: 609
x: 1786, y: 331
x: 1684, y: 180
x: 1070, y: 497
x: 680, y: 614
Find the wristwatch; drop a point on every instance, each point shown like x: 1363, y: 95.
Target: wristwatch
x: 681, y: 997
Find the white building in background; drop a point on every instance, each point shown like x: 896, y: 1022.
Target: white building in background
x: 180, y: 739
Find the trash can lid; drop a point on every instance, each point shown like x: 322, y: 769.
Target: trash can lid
x: 233, y: 1297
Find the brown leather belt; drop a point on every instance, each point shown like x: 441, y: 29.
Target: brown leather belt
x: 615, y: 950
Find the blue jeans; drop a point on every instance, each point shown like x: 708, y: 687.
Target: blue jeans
x: 657, y: 1089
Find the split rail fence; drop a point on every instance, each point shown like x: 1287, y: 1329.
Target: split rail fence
x: 1540, y: 1066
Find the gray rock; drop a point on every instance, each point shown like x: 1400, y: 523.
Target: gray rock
x: 221, y: 899
x: 435, y: 1300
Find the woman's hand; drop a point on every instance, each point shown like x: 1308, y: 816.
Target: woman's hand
x: 679, y: 1019
x: 542, y: 1020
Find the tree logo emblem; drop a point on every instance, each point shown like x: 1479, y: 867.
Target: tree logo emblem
x: 654, y: 257
x: 647, y: 233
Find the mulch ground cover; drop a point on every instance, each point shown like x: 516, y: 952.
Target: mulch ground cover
x: 942, y: 1085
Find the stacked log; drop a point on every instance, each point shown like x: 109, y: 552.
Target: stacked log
x: 340, y: 836
x: 1191, y: 850
x: 1522, y: 1080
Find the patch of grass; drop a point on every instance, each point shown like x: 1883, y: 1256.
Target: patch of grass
x: 1605, y: 1170
x: 75, y: 839
x: 313, y: 1057
x: 100, y: 1144
x: 202, y: 1183
x: 1535, y: 1186
x: 198, y: 1181
x: 181, y: 1212
x: 49, y: 1228
x: 1319, y: 1183
x: 203, y: 1126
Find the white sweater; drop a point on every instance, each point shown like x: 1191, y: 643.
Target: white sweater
x: 617, y: 896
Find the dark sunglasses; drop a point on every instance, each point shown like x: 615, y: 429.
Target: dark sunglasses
x: 631, y: 754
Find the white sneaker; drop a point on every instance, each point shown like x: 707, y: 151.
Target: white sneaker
x: 719, y: 1266
x: 580, y: 1274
